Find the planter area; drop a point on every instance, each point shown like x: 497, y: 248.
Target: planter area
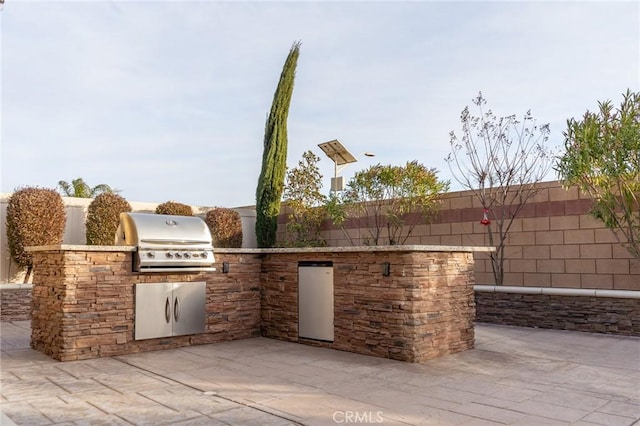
x: 410, y: 303
x: 15, y: 302
x: 593, y: 311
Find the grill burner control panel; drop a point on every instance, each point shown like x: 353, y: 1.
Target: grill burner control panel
x: 159, y: 255
x: 165, y: 260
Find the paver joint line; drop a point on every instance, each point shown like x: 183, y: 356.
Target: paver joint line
x: 252, y: 406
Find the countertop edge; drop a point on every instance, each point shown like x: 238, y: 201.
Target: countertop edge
x: 79, y: 247
x: 345, y: 249
x: 351, y: 249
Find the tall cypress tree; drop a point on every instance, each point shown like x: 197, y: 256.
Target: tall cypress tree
x: 274, y: 156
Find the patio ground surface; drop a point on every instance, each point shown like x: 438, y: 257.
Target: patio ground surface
x: 515, y: 376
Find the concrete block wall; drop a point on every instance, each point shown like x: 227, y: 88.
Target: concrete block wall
x: 554, y: 242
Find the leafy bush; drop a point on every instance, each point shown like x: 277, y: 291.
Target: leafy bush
x: 225, y: 226
x: 80, y: 189
x: 305, y: 201
x: 103, y: 217
x: 174, y: 208
x: 388, y: 202
x: 35, y: 217
x: 602, y: 158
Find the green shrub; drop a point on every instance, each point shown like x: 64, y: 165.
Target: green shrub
x: 35, y: 217
x: 174, y: 208
x: 225, y: 226
x: 103, y: 217
x: 304, y: 198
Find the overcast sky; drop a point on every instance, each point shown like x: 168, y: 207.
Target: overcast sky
x: 167, y: 100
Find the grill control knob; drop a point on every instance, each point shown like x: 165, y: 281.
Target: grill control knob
x: 169, y: 255
x: 186, y: 256
x: 203, y: 254
x: 178, y: 256
x: 151, y: 254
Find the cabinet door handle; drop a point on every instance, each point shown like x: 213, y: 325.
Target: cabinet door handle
x: 167, y: 311
x: 176, y: 310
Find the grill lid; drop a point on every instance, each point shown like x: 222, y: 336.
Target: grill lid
x: 166, y: 242
x: 154, y: 230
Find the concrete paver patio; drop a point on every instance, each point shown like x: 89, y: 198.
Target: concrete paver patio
x: 516, y: 376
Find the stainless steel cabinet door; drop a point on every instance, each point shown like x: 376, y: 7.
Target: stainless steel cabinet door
x: 169, y: 309
x: 315, y: 302
x: 154, y: 304
x: 189, y: 300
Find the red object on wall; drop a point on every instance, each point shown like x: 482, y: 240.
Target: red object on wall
x: 485, y: 218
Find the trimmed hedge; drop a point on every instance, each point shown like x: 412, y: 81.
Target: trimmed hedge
x: 35, y: 217
x: 103, y: 217
x: 225, y: 226
x: 174, y: 208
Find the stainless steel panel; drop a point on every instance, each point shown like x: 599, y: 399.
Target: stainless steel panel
x: 176, y: 269
x: 153, y: 260
x: 315, y: 302
x: 153, y: 310
x: 169, y: 309
x: 158, y: 230
x: 166, y: 241
x: 189, y: 300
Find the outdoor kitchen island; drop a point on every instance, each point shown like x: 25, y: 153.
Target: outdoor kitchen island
x: 409, y: 303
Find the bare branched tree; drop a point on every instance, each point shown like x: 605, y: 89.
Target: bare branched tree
x: 501, y: 161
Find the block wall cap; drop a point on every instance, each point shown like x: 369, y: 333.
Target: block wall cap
x: 619, y: 294
x: 15, y: 286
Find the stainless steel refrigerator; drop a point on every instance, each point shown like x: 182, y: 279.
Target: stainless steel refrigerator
x: 315, y: 300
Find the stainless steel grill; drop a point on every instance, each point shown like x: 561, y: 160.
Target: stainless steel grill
x: 166, y: 243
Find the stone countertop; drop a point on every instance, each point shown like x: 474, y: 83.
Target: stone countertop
x: 351, y: 249
x: 345, y: 249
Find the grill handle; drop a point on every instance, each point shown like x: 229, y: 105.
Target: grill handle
x: 167, y: 311
x: 176, y: 310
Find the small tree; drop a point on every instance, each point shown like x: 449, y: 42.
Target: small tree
x: 388, y: 202
x: 35, y: 217
x: 274, y: 155
x: 103, y: 217
x: 304, y: 199
x: 80, y: 189
x: 501, y: 161
x: 602, y: 157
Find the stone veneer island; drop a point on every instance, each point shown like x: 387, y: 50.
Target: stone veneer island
x: 84, y: 305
